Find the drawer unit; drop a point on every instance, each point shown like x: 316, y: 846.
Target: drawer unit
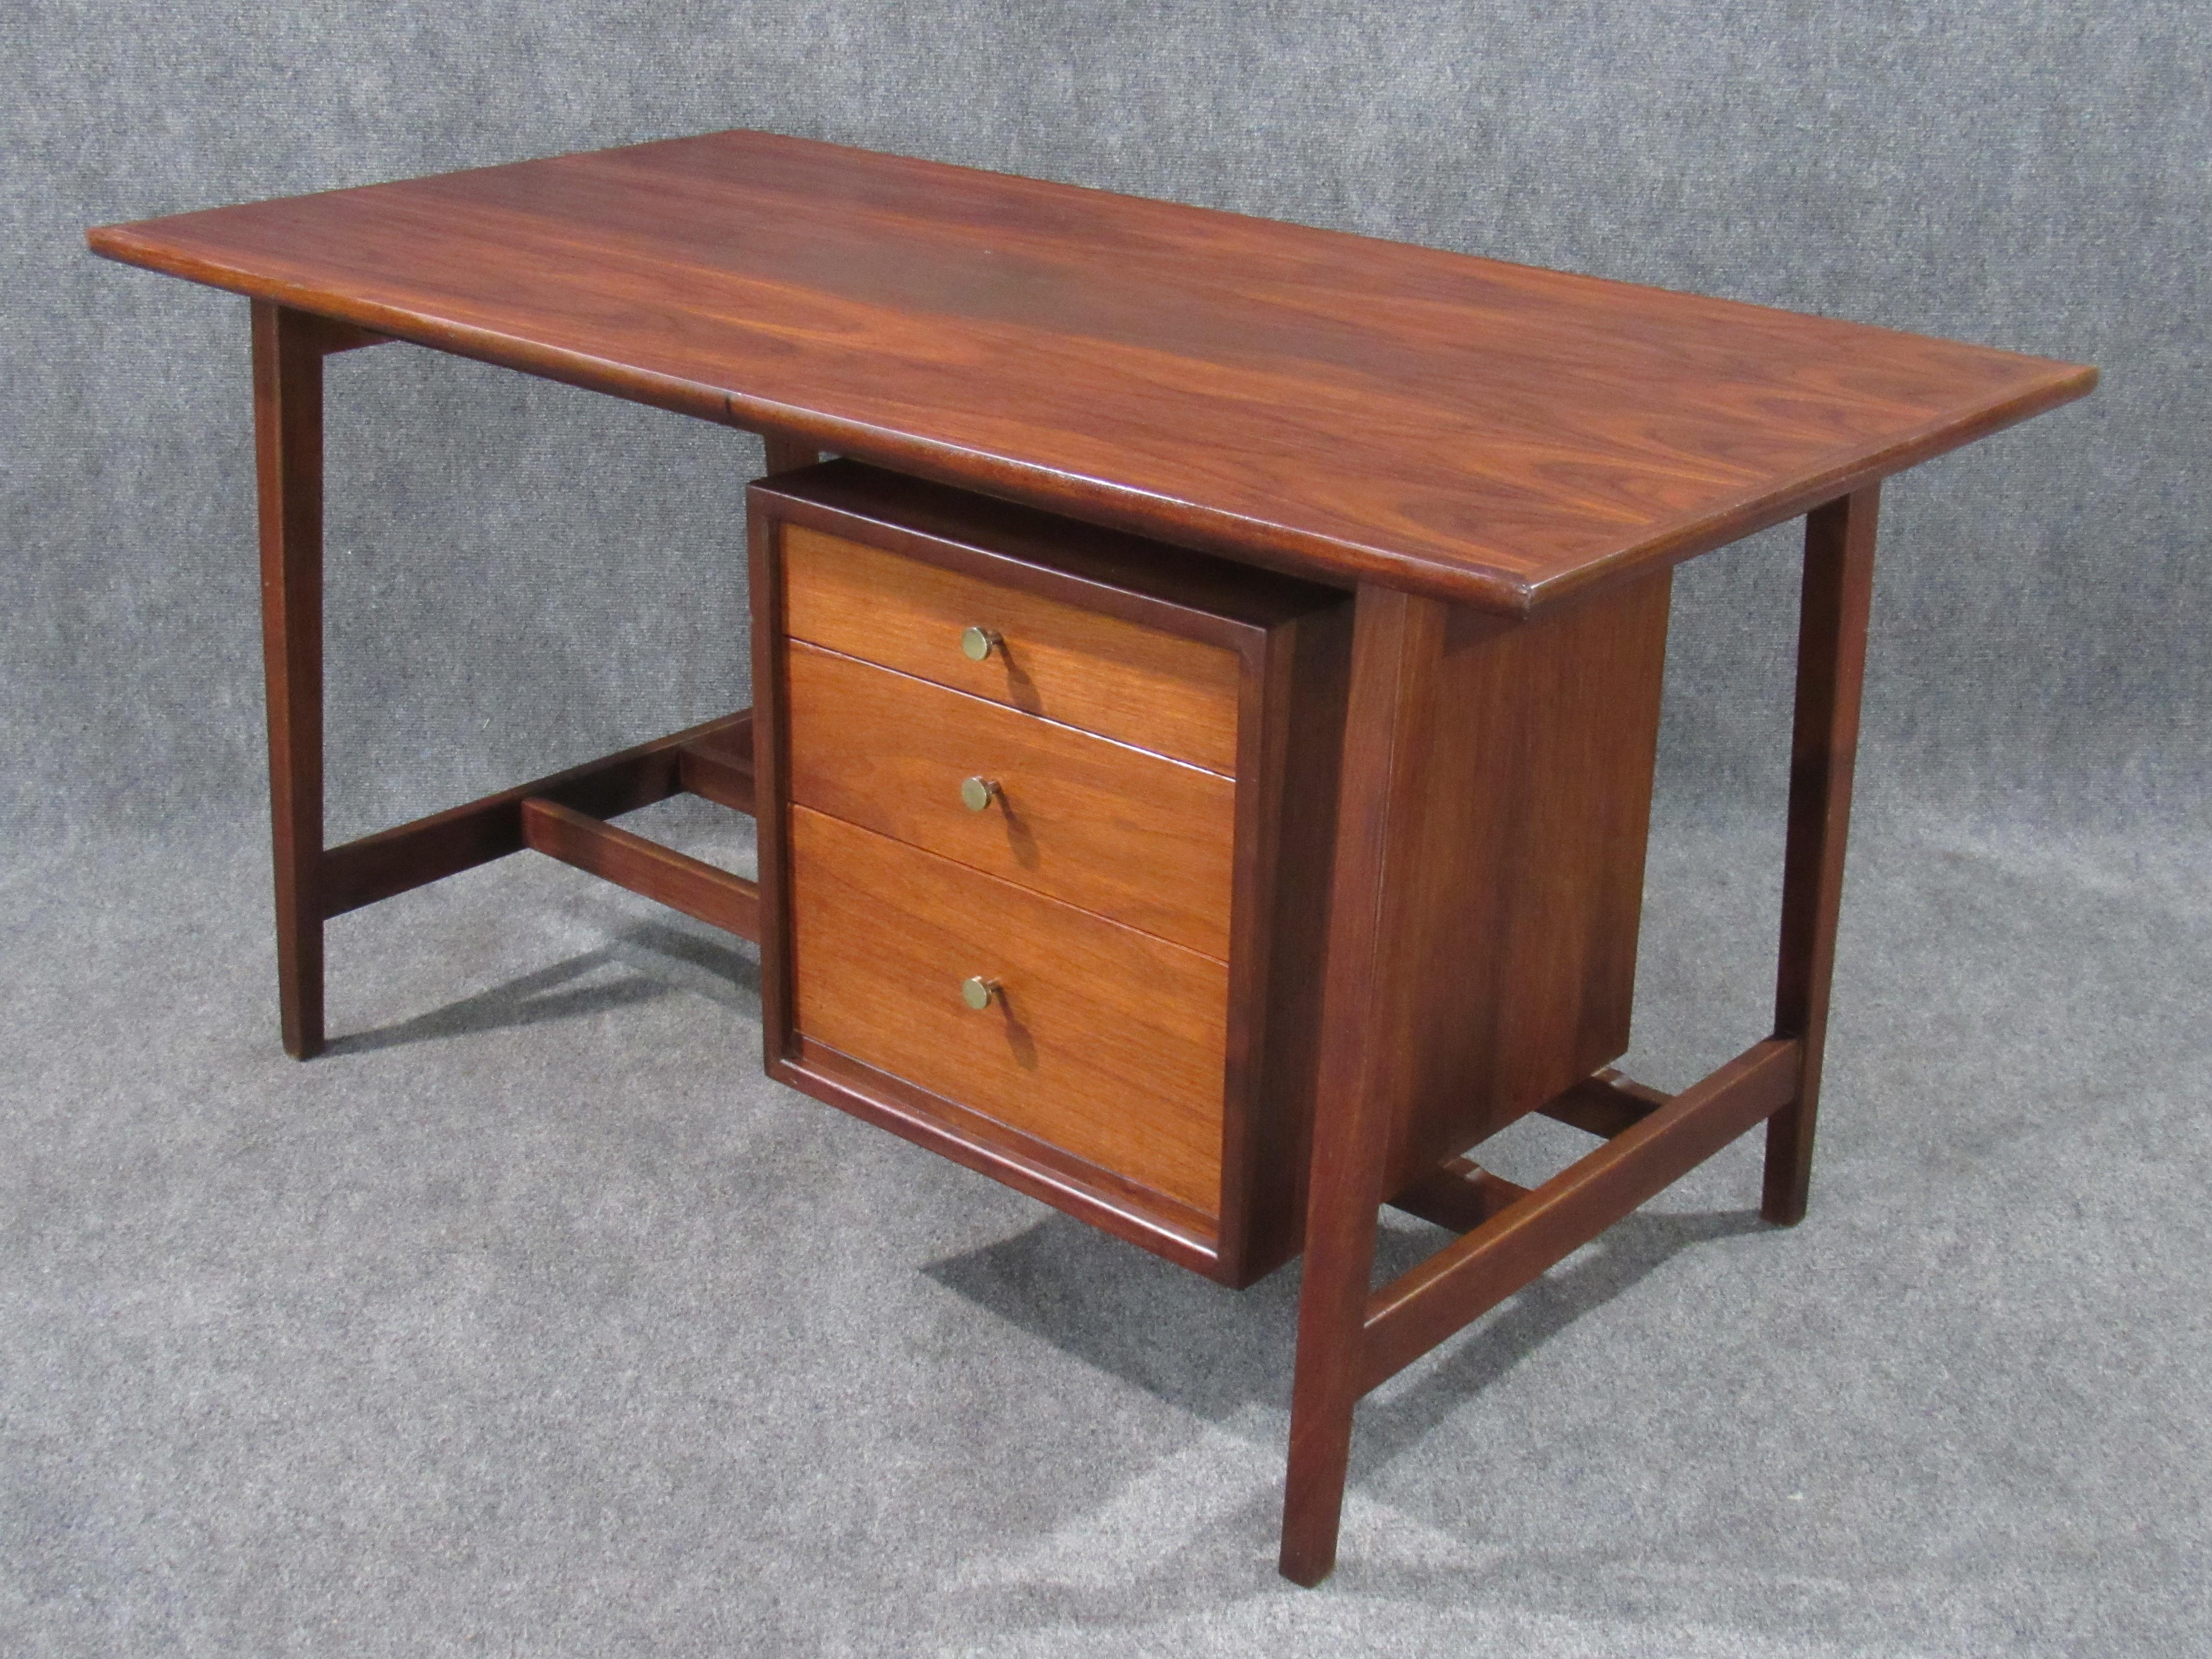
x: 1044, y: 810
x: 1046, y: 818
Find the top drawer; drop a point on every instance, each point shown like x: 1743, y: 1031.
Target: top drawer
x: 1159, y: 691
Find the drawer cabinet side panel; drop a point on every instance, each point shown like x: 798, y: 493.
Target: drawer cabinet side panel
x: 1514, y: 920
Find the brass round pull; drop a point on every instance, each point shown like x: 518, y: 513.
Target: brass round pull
x: 976, y: 793
x: 977, y: 643
x: 978, y: 992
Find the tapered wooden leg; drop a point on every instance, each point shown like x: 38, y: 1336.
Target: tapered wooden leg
x: 1396, y: 639
x: 287, y: 434
x: 788, y: 455
x: 1832, y: 637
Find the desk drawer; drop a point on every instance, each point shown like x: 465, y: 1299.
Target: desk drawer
x: 1103, y: 673
x: 1102, y: 1041
x: 1138, y: 838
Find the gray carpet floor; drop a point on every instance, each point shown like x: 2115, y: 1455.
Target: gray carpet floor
x: 533, y: 1321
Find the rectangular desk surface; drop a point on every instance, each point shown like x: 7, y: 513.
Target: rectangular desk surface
x: 1328, y: 404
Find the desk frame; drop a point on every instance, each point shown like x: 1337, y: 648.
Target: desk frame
x: 1349, y: 1339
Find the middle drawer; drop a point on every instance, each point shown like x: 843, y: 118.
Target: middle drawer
x: 1142, y: 840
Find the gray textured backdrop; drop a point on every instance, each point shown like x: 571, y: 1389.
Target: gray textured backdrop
x: 532, y: 1322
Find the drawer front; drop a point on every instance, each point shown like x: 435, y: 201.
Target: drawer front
x: 1157, y: 691
x: 1103, y: 1041
x: 1141, y: 840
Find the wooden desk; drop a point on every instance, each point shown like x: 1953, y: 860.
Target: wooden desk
x: 1474, y: 452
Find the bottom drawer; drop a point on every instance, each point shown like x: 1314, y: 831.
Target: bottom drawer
x: 1104, y: 1042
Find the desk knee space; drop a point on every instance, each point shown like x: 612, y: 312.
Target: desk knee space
x: 559, y: 815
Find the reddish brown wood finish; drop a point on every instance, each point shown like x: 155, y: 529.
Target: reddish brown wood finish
x: 335, y: 337
x: 779, y: 1045
x: 1454, y: 436
x: 661, y: 873
x: 410, y: 855
x: 1290, y: 753
x: 1295, y: 639
x: 717, y: 765
x: 1142, y: 840
x: 1120, y: 677
x: 288, y: 447
x: 1605, y: 1105
x: 1519, y: 884
x: 1102, y: 1197
x: 313, y: 883
x: 1287, y: 642
x: 789, y: 454
x: 1325, y: 404
x: 1398, y: 644
x: 1080, y: 564
x: 1831, y: 639
x: 1651, y: 1139
x: 1102, y: 1040
x: 1464, y: 1281
x: 1482, y: 945
x: 1482, y: 1034
x: 1459, y: 1194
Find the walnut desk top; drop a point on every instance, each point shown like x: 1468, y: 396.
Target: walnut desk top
x: 1442, y: 768
x: 1331, y: 405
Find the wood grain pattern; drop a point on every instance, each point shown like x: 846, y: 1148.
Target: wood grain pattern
x: 1422, y: 1306
x: 1291, y: 749
x: 1517, y: 893
x: 1292, y: 641
x: 1398, y: 640
x: 1173, y: 696
x: 783, y: 454
x: 287, y: 452
x: 1605, y: 1105
x: 1483, y: 914
x: 412, y: 854
x: 1103, y: 1197
x: 1505, y: 462
x: 1104, y: 1041
x: 1324, y: 404
x: 1459, y: 1194
x: 1219, y: 601
x: 1831, y: 644
x: 1144, y: 841
x: 717, y: 764
x: 661, y: 873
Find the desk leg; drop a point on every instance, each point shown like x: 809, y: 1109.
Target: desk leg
x: 789, y: 454
x: 288, y: 447
x: 1396, y: 641
x: 1831, y: 636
